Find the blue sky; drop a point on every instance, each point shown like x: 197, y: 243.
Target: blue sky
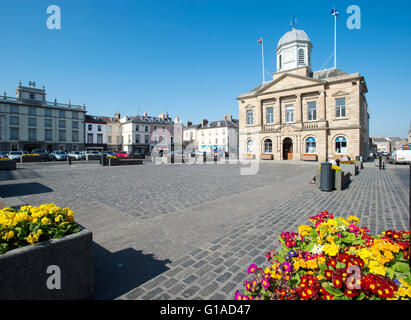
x: 192, y: 58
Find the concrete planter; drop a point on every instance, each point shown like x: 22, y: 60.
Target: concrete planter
x: 351, y: 168
x: 26, y: 273
x: 124, y: 162
x: 310, y: 157
x: 93, y: 157
x: 341, y: 180
x: 7, y: 164
x: 29, y: 158
x: 267, y: 157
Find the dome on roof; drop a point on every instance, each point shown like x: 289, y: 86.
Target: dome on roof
x: 292, y: 36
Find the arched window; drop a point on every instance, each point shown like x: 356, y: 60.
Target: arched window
x: 268, y: 146
x: 310, y: 146
x: 341, y: 145
x: 250, y: 147
x: 301, y: 56
x: 280, y: 62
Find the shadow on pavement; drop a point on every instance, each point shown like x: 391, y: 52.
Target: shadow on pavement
x: 23, y: 189
x: 19, y: 173
x: 119, y: 272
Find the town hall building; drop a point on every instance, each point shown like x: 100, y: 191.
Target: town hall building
x: 303, y: 114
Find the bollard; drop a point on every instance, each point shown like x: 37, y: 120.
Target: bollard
x: 215, y: 158
x: 204, y: 157
x: 379, y: 162
x: 383, y: 165
x: 69, y: 160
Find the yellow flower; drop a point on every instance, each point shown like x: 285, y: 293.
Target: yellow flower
x: 39, y: 232
x: 9, y: 235
x: 331, y: 223
x: 331, y: 249
x: 330, y: 239
x: 376, y: 268
x: 353, y: 219
x: 45, y: 220
x: 304, y: 230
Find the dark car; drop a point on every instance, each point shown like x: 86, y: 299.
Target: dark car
x: 43, y: 153
x: 4, y: 154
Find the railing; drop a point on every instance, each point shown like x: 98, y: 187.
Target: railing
x: 269, y: 128
x: 310, y: 125
x: 39, y: 103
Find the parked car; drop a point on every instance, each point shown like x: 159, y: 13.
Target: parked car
x: 15, y: 155
x: 43, y: 153
x: 75, y: 155
x: 59, y: 155
x: 122, y: 154
x: 110, y: 153
x: 402, y: 156
x: 83, y: 155
x: 4, y: 154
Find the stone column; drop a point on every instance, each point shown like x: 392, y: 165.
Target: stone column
x: 299, y: 109
x: 277, y: 111
x: 323, y: 115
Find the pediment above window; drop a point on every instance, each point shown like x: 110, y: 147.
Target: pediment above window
x: 341, y: 93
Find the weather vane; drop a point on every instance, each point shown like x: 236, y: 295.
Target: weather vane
x: 293, y: 22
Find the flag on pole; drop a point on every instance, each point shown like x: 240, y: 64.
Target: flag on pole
x: 260, y: 41
x: 334, y: 12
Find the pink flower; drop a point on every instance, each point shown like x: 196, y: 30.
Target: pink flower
x: 265, y: 283
x: 252, y: 269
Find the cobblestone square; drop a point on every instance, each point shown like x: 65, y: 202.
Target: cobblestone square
x: 191, y: 231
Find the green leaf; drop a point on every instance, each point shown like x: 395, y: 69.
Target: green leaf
x: 390, y: 273
x: 361, y: 296
x: 309, y: 247
x: 330, y: 289
x: 341, y: 298
x: 350, y: 238
x: 340, y: 265
x: 401, y: 267
x: 322, y: 266
x: 314, y: 234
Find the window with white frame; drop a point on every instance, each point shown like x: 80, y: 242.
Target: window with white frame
x: 341, y: 145
x: 270, y: 115
x: 310, y: 146
x: 289, y: 111
x: 268, y: 146
x: 312, y: 111
x: 340, y: 111
x: 250, y: 117
x: 250, y: 147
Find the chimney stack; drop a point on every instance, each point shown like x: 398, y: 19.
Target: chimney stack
x: 228, y: 118
x: 189, y: 123
x: 117, y: 116
x: 204, y: 122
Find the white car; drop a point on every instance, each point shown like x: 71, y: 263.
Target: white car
x: 76, y: 155
x: 15, y: 155
x: 401, y: 156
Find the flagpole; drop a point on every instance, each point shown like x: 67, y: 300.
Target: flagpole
x: 335, y: 41
x: 262, y: 55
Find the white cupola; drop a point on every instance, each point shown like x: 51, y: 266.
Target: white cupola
x: 294, y: 51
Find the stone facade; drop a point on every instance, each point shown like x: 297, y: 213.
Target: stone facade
x: 304, y: 112
x: 29, y: 122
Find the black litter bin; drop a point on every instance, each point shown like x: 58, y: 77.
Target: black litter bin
x: 327, y: 177
x: 103, y: 160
